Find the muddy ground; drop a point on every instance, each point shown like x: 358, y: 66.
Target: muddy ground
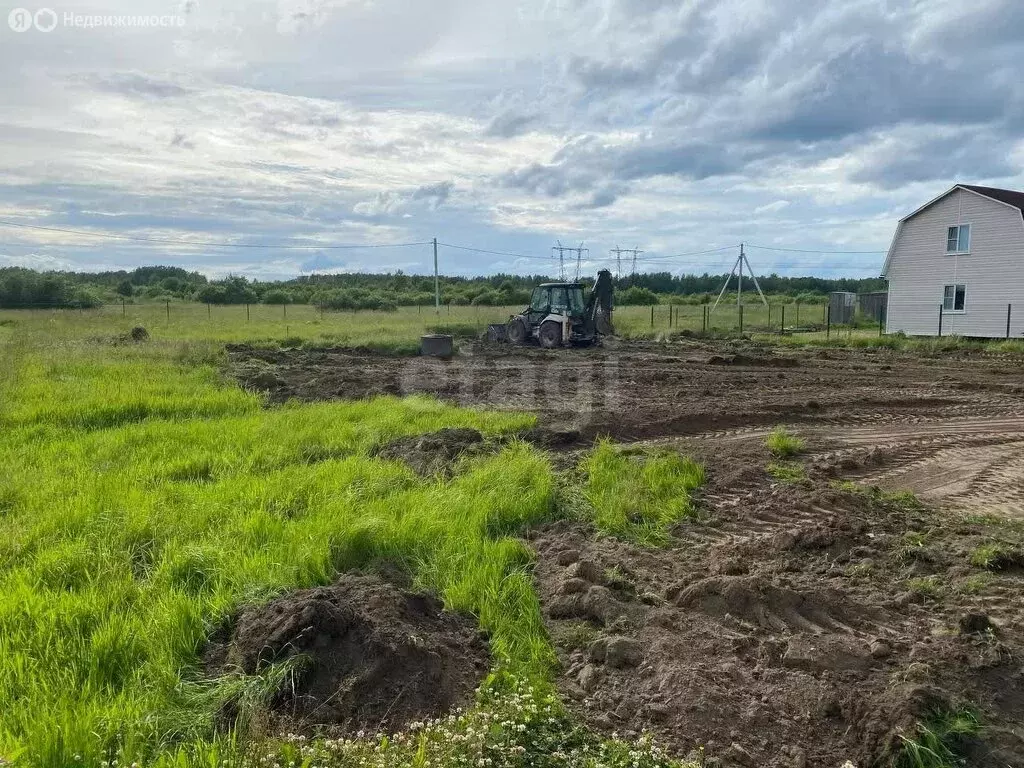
x: 793, y: 624
x: 372, y: 655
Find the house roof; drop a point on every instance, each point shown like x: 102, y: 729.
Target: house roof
x: 1008, y: 196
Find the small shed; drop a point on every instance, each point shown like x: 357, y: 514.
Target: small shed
x: 842, y: 307
x: 873, y: 305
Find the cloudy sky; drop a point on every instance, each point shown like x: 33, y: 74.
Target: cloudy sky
x: 505, y: 125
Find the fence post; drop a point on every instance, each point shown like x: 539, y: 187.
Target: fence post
x: 828, y: 321
x: 209, y: 310
x: 1009, y: 314
x: 826, y: 311
x: 881, y: 322
x: 705, y: 316
x: 247, y: 313
x: 652, y: 315
x: 769, y: 317
x: 741, y: 318
x: 940, y: 321
x: 124, y: 311
x: 168, y: 303
x: 670, y: 314
x: 782, y: 327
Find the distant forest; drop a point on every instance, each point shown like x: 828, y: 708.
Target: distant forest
x: 24, y: 288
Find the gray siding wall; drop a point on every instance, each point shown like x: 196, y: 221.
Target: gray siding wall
x: 993, y: 271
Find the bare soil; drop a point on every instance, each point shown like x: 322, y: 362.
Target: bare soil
x: 783, y: 628
x: 374, y: 655
x: 793, y: 624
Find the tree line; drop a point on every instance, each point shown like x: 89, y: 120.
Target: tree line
x: 24, y: 288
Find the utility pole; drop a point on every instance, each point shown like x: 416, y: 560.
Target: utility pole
x: 618, y: 259
x: 562, y: 250
x: 739, y: 286
x: 561, y: 258
x: 740, y: 261
x: 437, y: 283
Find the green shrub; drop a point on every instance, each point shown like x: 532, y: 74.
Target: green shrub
x: 637, y: 296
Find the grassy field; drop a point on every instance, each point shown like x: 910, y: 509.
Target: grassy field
x: 395, y: 330
x: 145, y: 498
x: 399, y: 331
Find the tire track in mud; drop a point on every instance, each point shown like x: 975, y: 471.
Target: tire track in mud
x: 971, y: 465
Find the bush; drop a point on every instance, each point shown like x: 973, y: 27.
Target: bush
x: 486, y: 298
x: 276, y: 296
x: 353, y: 300
x: 86, y: 299
x: 23, y: 288
x: 637, y: 296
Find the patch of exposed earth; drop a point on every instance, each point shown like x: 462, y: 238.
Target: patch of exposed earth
x: 788, y: 628
x: 373, y: 656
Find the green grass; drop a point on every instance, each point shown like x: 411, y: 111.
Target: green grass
x: 913, y: 546
x: 144, y: 499
x: 639, y: 496
x: 997, y: 556
x: 940, y: 741
x: 783, y: 445
x: 789, y: 472
x: 926, y: 587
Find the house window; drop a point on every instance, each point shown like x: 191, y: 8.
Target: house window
x: 958, y: 239
x: 954, y: 297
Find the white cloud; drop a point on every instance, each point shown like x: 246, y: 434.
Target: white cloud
x: 506, y: 125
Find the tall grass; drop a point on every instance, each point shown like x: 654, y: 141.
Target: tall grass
x: 639, y: 496
x: 143, y: 501
x: 782, y: 444
x: 940, y: 741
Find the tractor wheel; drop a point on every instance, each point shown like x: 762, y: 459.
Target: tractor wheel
x: 516, y: 331
x: 550, y: 335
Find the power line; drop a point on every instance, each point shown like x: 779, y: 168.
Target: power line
x: 808, y: 250
x: 691, y: 253
x: 206, y: 243
x: 495, y: 253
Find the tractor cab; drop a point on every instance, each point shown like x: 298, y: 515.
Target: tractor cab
x: 557, y: 299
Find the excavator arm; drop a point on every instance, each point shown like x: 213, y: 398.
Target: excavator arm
x: 600, y: 304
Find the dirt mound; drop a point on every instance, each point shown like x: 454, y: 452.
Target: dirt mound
x: 433, y: 453
x: 375, y: 656
x: 755, y: 602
